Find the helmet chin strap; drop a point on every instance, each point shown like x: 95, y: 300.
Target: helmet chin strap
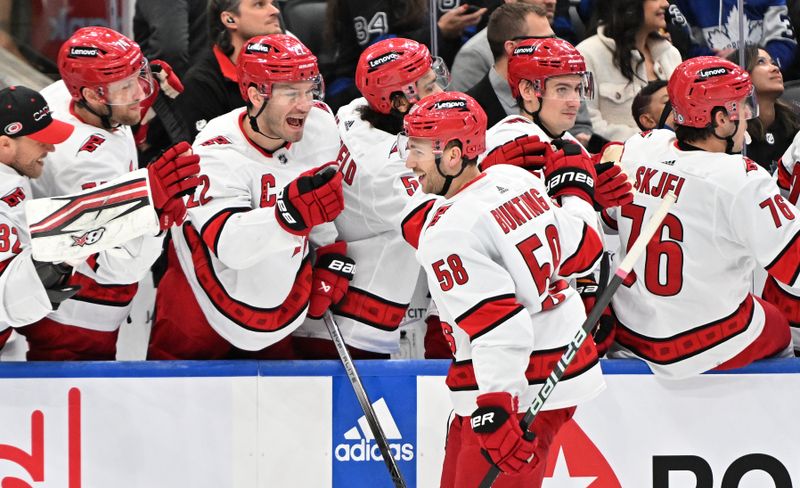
x: 538, y: 120
x: 662, y: 121
x: 254, y: 122
x: 729, y: 139
x: 105, y: 120
x: 448, y: 179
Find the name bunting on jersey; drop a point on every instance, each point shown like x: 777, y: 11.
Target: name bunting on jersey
x: 357, y: 460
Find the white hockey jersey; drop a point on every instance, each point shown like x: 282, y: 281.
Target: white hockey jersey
x: 497, y: 256
x: 23, y: 299
x: 251, y: 278
x: 89, y: 157
x: 377, y: 186
x: 687, y: 307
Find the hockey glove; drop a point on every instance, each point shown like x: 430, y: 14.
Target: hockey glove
x: 167, y: 80
x: 54, y: 278
x: 613, y: 188
x: 496, y: 424
x: 173, y: 176
x: 528, y: 152
x: 570, y: 172
x: 603, y: 332
x: 314, y: 198
x: 330, y: 279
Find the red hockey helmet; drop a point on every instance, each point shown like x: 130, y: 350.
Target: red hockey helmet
x: 394, y: 65
x: 536, y: 60
x: 104, y: 60
x: 276, y: 58
x: 698, y: 85
x: 446, y: 117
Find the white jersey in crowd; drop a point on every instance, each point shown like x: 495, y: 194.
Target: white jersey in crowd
x: 251, y: 278
x: 23, y: 299
x: 687, y: 307
x: 89, y: 157
x: 497, y: 256
x: 377, y: 186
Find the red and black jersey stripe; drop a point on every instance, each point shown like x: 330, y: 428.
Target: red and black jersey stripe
x: 212, y: 230
x: 786, y: 265
x: 586, y: 255
x: 110, y: 295
x: 371, y: 309
x: 608, y: 220
x: 787, y: 303
x: 246, y: 316
x: 461, y: 375
x: 133, y: 193
x: 5, y: 264
x: 488, y: 314
x: 668, y: 350
x: 412, y: 224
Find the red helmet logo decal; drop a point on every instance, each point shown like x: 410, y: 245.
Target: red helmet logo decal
x: 257, y: 47
x: 83, y: 52
x: 12, y: 128
x: 384, y: 59
x: 450, y: 104
x: 710, y: 72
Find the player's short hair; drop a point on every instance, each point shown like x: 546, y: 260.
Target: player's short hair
x: 684, y: 133
x: 642, y: 100
x: 467, y: 161
x: 507, y: 22
x: 217, y: 32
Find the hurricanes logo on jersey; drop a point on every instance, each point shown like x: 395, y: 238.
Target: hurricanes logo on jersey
x: 91, y: 144
x: 216, y: 141
x: 14, y: 197
x: 88, y: 238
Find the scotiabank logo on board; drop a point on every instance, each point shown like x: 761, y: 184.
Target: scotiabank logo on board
x: 30, y: 457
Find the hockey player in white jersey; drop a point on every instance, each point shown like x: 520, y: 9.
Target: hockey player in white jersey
x: 687, y: 307
x: 392, y: 75
x: 105, y: 82
x: 30, y: 289
x: 497, y: 251
x: 240, y: 279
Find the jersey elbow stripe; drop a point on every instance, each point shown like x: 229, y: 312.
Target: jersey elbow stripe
x: 248, y: 317
x: 608, y: 220
x: 488, y: 314
x: 786, y: 265
x: 109, y: 295
x: 586, y: 254
x: 784, y: 178
x: 411, y: 226
x: 5, y: 264
x: 668, y: 350
x: 371, y: 310
x: 212, y: 230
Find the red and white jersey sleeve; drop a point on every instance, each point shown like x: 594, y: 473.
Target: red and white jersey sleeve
x: 23, y: 299
x: 89, y: 157
x: 377, y: 186
x: 787, y: 180
x: 251, y: 278
x: 687, y: 307
x: 492, y: 254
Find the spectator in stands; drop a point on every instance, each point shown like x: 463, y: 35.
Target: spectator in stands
x: 651, y: 108
x: 510, y: 23
x: 715, y: 24
x: 175, y: 31
x: 772, y: 131
x: 211, y: 86
x: 626, y: 53
x: 355, y: 24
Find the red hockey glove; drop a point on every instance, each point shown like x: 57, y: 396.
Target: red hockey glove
x: 314, y: 198
x: 173, y: 176
x: 528, y: 152
x: 603, y: 332
x: 570, y: 172
x: 167, y: 80
x: 499, y: 433
x: 613, y: 188
x: 330, y: 279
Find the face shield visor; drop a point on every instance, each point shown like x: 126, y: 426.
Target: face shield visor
x: 418, y: 148
x: 309, y: 91
x: 579, y: 86
x: 436, y: 80
x: 130, y: 90
x: 744, y: 109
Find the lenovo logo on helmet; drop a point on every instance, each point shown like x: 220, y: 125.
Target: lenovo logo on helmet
x: 710, y: 72
x: 257, y: 47
x: 384, y: 59
x: 523, y: 50
x: 83, y: 52
x: 449, y: 104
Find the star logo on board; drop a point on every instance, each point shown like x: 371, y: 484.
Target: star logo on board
x: 574, y: 461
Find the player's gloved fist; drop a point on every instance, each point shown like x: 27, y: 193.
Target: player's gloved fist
x: 167, y: 80
x: 570, y: 172
x: 172, y: 176
x: 330, y: 279
x: 528, y: 152
x: 603, y: 332
x: 313, y: 198
x: 613, y: 188
x: 499, y: 433
x: 54, y: 278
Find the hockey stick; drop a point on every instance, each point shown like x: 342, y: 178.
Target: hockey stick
x: 594, y: 315
x: 363, y: 400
